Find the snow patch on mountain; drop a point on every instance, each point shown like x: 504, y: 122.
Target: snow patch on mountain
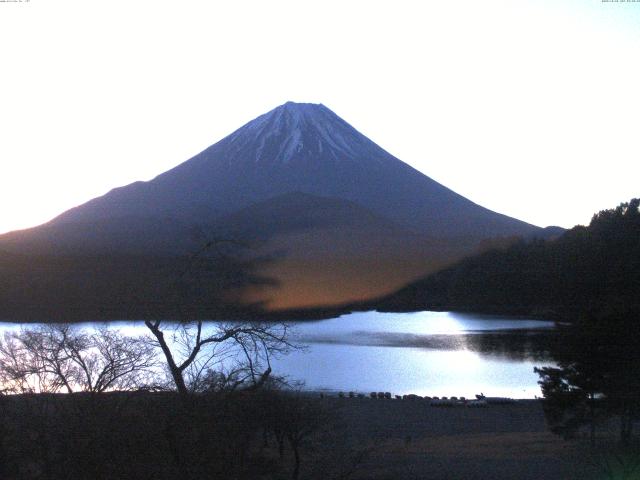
x: 291, y: 146
x: 281, y: 135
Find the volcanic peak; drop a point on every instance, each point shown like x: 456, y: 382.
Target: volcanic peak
x: 282, y: 134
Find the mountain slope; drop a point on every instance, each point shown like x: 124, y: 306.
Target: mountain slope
x: 299, y: 148
x: 297, y: 211
x: 340, y: 218
x: 328, y: 250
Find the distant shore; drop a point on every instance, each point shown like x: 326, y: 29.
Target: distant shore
x: 109, y: 313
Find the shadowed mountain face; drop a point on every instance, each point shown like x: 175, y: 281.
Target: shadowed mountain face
x: 329, y: 250
x: 299, y: 148
x: 342, y: 218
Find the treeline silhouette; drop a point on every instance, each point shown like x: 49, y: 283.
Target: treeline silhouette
x: 186, y: 401
x: 597, y: 377
x: 587, y: 269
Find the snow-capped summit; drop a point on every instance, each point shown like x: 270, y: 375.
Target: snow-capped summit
x: 300, y: 132
x: 351, y: 220
x: 306, y: 148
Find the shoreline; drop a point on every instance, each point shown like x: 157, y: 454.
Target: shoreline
x: 423, y: 399
x: 413, y: 439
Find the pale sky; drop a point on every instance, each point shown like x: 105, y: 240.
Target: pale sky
x: 528, y: 107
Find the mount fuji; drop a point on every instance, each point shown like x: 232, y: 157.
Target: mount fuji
x: 298, y: 148
x: 344, y: 219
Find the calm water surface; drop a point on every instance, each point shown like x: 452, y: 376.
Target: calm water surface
x: 426, y: 353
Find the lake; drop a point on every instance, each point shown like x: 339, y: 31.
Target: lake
x: 426, y: 353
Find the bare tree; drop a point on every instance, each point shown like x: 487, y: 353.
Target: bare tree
x: 56, y: 358
x: 219, y: 355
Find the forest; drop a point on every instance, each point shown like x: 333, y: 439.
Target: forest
x: 592, y: 269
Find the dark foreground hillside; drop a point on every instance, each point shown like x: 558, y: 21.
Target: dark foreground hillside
x: 252, y: 436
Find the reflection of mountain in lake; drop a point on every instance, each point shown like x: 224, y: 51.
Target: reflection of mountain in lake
x: 515, y: 345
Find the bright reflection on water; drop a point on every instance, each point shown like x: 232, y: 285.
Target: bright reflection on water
x: 426, y: 353
x: 418, y: 323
